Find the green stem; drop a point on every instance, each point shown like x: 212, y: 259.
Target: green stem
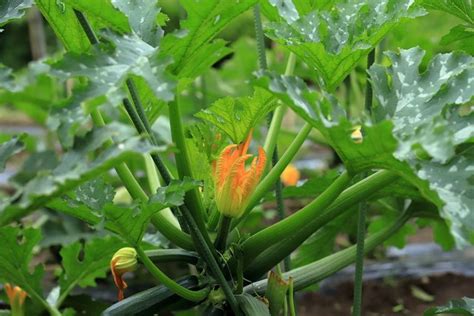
x: 209, y: 256
x: 262, y: 60
x: 266, y: 184
x: 359, y: 268
x: 221, y: 239
x: 142, y: 125
x: 172, y: 255
x: 193, y: 296
x: 291, y: 298
x: 316, y: 271
x: 192, y: 198
x: 86, y: 27
x: 360, y: 191
x: 171, y: 232
x: 265, y: 238
x: 275, y: 125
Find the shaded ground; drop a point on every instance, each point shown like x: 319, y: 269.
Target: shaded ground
x: 388, y: 297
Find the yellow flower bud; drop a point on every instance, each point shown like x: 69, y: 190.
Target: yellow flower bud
x: 356, y: 135
x: 123, y: 261
x: 290, y: 175
x: 17, y: 297
x: 234, y: 183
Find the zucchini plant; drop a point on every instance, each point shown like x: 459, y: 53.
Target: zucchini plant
x: 165, y: 143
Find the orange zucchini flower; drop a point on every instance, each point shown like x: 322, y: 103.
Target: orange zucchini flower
x: 234, y: 182
x: 290, y: 175
x: 124, y: 260
x: 17, y: 297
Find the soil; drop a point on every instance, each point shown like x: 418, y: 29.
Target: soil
x: 387, y: 297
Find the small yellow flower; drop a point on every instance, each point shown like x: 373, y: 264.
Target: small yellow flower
x: 290, y: 175
x: 124, y: 260
x: 17, y: 297
x: 356, y: 135
x: 234, y: 182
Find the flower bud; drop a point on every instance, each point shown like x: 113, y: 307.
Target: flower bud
x: 17, y: 297
x: 290, y: 176
x: 123, y: 261
x: 356, y: 135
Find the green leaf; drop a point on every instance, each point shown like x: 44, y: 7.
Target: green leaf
x: 237, y: 116
x: 454, y: 184
x: 16, y: 251
x: 428, y: 125
x: 462, y: 34
x: 95, y: 193
x: 142, y: 16
x: 108, y: 68
x: 463, y: 9
x: 190, y: 46
x: 276, y: 293
x: 65, y: 25
x: 252, y: 306
x: 416, y: 102
x: 8, y: 149
x: 101, y: 11
x: 464, y: 306
x: 130, y: 222
x: 333, y: 42
x: 94, y: 264
x: 13, y: 9
x: 75, y: 168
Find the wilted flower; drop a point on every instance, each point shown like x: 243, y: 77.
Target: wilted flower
x: 290, y: 175
x: 234, y: 182
x: 124, y: 260
x: 17, y: 297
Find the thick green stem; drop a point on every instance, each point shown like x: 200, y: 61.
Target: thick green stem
x: 314, y: 272
x: 267, y: 183
x: 193, y: 296
x: 265, y: 238
x: 362, y: 190
x: 192, y: 198
x: 209, y: 256
x: 170, y: 231
x: 221, y: 239
x: 359, y: 268
x: 275, y: 125
x: 291, y: 298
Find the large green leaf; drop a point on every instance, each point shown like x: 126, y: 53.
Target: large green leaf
x: 13, y: 9
x: 415, y: 102
x: 236, y: 116
x: 63, y: 21
x: 16, y: 251
x: 94, y: 263
x: 463, y: 35
x: 463, y: 9
x: 76, y: 168
x: 423, y: 124
x: 333, y: 42
x: 130, y: 222
x: 106, y: 70
x: 142, y: 16
x: 190, y: 46
x: 464, y: 306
